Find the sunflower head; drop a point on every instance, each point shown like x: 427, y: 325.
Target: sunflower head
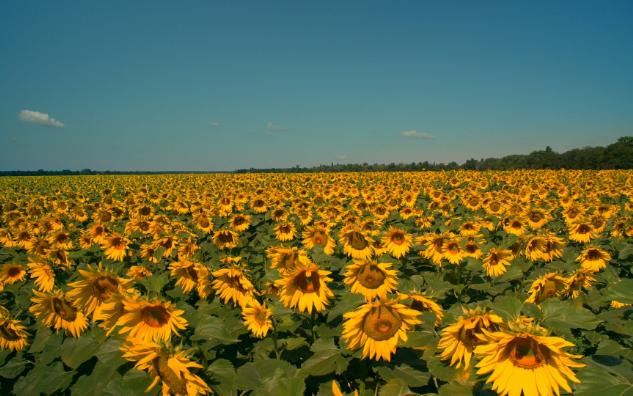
x: 371, y: 279
x: 305, y: 288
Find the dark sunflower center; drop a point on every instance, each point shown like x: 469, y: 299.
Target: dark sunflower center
x: 382, y: 323
x: 64, y: 309
x: 239, y: 220
x: 278, y: 213
x: 225, y: 237
x: 8, y: 333
x: 526, y: 353
x: 583, y: 229
x: 594, y: 254
x: 371, y: 276
x: 116, y: 242
x: 204, y: 223
x: 288, y: 260
x: 155, y: 316
x: 285, y: 229
x: 14, y: 271
x: 260, y: 316
x: 191, y: 273
x: 308, y: 281
x: 105, y: 286
x: 144, y: 211
x: 318, y: 238
x: 356, y: 240
x: 397, y: 238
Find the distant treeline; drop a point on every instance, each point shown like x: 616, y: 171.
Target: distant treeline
x: 618, y: 155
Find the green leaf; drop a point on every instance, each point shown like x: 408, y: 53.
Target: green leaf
x: 133, y: 382
x: 216, y: 329
x: 75, y: 351
x: 13, y: 367
x: 271, y: 377
x: 224, y: 373
x: 455, y: 389
x: 408, y: 374
x: 44, y: 379
x: 508, y: 307
x: 561, y: 316
x: 327, y: 358
x: 156, y: 282
x: 395, y: 387
x: 347, y: 303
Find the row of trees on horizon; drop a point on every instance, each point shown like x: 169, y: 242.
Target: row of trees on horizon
x: 618, y: 155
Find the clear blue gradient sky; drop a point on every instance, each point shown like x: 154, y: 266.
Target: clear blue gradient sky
x: 219, y: 85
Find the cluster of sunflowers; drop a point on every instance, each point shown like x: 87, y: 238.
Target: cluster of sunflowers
x: 139, y: 258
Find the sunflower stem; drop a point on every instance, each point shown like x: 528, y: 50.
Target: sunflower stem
x: 313, y: 325
x: 276, y: 345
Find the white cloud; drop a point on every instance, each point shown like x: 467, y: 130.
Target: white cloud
x: 274, y: 127
x: 215, y: 124
x: 36, y: 117
x: 415, y: 134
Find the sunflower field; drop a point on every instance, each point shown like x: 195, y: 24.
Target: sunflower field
x: 449, y: 283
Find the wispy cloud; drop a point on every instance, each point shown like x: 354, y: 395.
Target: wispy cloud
x: 215, y: 124
x: 36, y: 117
x: 415, y: 134
x: 274, y: 127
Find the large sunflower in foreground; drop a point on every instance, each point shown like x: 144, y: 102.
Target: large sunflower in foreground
x: 232, y: 285
x: 305, y: 288
x: 153, y: 320
x: 257, y: 318
x: 397, y: 242
x: 371, y: 279
x: 55, y: 309
x: 524, y: 359
x: 377, y: 327
x: 96, y: 286
x: 459, y: 339
x: 170, y: 368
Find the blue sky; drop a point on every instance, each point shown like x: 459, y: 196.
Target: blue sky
x: 219, y: 85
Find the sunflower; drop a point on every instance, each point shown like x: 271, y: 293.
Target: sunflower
x: 453, y: 251
x: 167, y: 244
x: 496, y: 261
x: 581, y: 279
x: 257, y: 318
x: 285, y: 231
x: 581, y: 232
x: 377, y: 327
x: 225, y: 239
x: 13, y: 334
x: 55, y: 309
x: 98, y: 285
x: 232, y: 285
x: 524, y: 360
x: 115, y: 247
x: 371, y: 279
x: 548, y: 285
x: 11, y: 273
x: 316, y: 235
x: 185, y: 273
x: 397, y: 242
x: 203, y: 223
x: 240, y: 222
x: 44, y: 276
x: 458, y: 340
x: 111, y: 311
x: 151, y: 320
x: 356, y: 243
x: 285, y: 259
x: 472, y: 248
x: 170, y: 368
x: 594, y: 258
x: 305, y: 288
x: 138, y: 272
x: 61, y: 240
x: 434, y: 246
x: 615, y: 304
x: 422, y: 303
x: 535, y: 247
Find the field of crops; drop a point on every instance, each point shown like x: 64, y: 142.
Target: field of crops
x: 450, y: 283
